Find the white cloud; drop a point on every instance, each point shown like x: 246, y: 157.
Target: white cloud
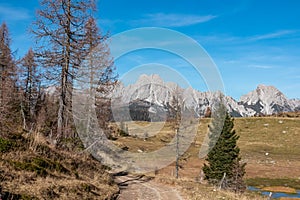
x: 171, y: 20
x: 9, y: 13
x: 276, y: 34
x: 261, y: 66
x: 237, y: 40
x: 231, y: 61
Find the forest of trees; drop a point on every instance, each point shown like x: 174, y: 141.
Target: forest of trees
x: 66, y: 33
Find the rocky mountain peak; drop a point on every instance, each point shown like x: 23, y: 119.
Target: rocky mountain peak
x: 264, y: 99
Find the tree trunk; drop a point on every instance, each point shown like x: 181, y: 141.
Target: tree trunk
x: 63, y: 105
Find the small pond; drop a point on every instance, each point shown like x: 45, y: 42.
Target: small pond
x: 275, y: 194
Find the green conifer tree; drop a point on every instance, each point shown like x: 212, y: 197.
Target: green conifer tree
x: 223, y: 167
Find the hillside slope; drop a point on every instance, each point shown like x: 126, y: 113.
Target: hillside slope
x: 35, y: 170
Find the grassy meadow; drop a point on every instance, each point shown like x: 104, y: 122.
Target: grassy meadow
x: 269, y: 145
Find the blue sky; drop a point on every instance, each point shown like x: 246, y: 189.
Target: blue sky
x: 251, y: 41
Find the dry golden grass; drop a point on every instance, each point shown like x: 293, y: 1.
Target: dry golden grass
x: 269, y: 145
x: 192, y: 190
x: 43, y: 172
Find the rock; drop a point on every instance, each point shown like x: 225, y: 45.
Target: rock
x: 140, y: 151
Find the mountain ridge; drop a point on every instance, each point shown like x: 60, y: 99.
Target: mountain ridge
x: 264, y: 100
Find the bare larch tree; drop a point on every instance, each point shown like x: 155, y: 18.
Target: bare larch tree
x: 30, y: 84
x: 8, y: 90
x: 177, y: 104
x: 100, y: 68
x: 60, y: 32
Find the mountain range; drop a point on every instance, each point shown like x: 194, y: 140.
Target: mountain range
x: 151, y: 94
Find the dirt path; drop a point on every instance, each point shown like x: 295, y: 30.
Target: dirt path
x: 143, y: 188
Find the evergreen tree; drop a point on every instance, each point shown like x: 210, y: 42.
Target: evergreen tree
x: 223, y: 165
